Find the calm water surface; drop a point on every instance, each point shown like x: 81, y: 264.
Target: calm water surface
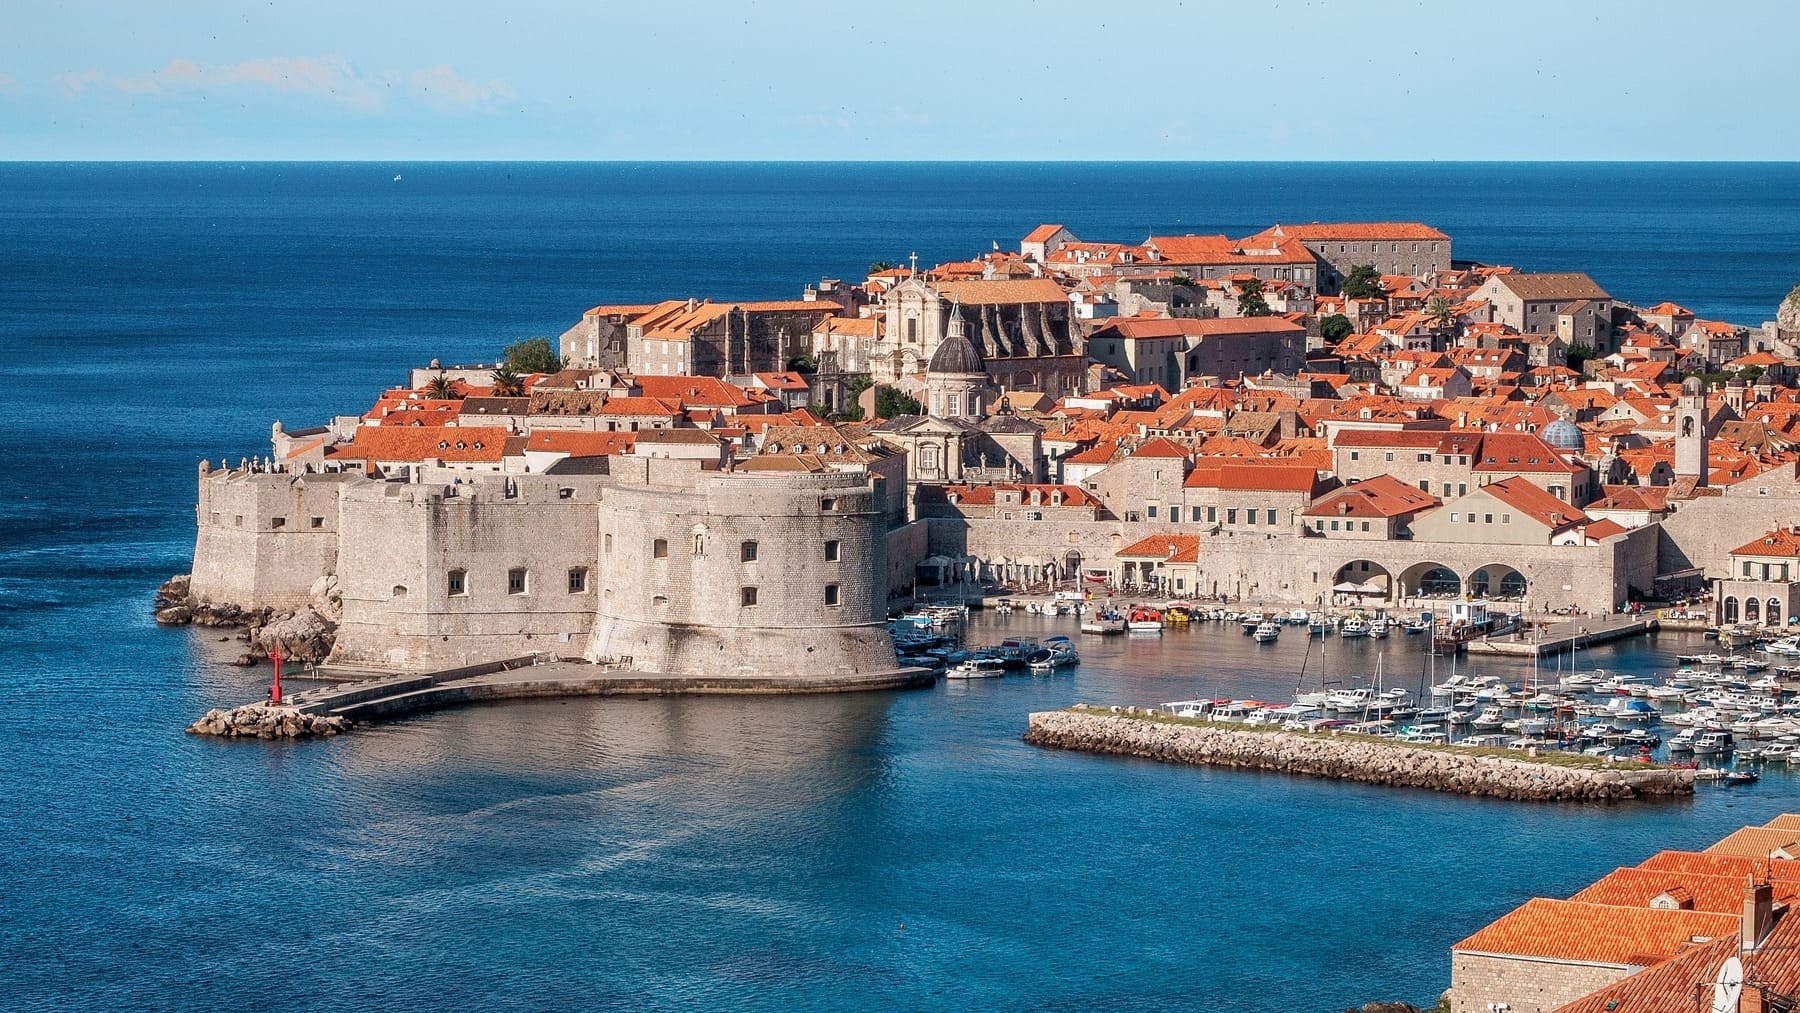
x: 890, y: 851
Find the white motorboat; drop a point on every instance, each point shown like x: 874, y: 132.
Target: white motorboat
x: 1355, y: 626
x: 1266, y: 631
x: 1060, y: 652
x: 1378, y: 628
x: 1712, y: 743
x: 1489, y: 720
x: 977, y: 668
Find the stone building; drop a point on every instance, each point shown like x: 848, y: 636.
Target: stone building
x: 1762, y: 582
x: 1409, y: 248
x: 1568, y: 305
x: 1023, y: 330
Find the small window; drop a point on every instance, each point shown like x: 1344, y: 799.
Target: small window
x: 1390, y: 455
x: 277, y: 522
x: 1487, y: 518
x: 1271, y: 517
x: 459, y: 582
x: 747, y: 552
x: 1231, y: 516
x: 831, y: 551
x: 659, y: 599
x: 1150, y: 511
x: 1334, y: 525
x: 577, y: 580
x: 606, y: 541
x: 399, y: 591
x: 747, y: 597
x: 515, y: 581
x: 1355, y: 455
x: 317, y: 523
x: 828, y: 504
x: 1212, y: 515
x: 1506, y: 518
x: 1365, y: 525
x: 659, y: 549
x: 1455, y: 516
x: 240, y: 520
x: 831, y: 595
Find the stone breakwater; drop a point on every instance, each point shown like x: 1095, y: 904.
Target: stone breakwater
x: 1129, y: 731
x: 304, y: 634
x: 267, y: 721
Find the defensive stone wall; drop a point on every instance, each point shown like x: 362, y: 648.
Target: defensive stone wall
x: 1481, y: 983
x: 707, y: 573
x: 435, y: 576
x: 1702, y: 532
x: 263, y: 538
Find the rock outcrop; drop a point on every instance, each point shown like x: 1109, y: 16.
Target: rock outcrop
x: 1787, y: 315
x: 267, y: 721
x: 1129, y: 731
x: 306, y: 634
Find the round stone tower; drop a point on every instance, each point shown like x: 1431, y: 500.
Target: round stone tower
x: 732, y: 575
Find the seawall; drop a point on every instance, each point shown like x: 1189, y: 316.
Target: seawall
x: 1156, y: 736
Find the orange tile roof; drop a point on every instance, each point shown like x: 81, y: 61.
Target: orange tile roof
x: 1381, y: 496
x: 1667, y: 987
x: 581, y: 443
x: 1160, y: 446
x: 1357, y: 231
x: 1042, y: 233
x: 1534, y: 503
x: 1758, y: 842
x: 994, y: 293
x: 1596, y: 933
x: 424, y: 443
x: 1779, y: 542
x: 988, y: 495
x: 1170, y: 548
x: 1255, y: 475
x: 1719, y: 893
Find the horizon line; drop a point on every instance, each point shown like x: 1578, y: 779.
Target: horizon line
x: 896, y: 161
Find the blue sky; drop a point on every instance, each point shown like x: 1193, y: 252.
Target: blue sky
x: 406, y: 79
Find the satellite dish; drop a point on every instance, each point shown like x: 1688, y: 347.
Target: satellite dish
x: 1728, y: 987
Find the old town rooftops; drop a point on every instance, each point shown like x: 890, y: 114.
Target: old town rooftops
x: 1381, y: 496
x: 1597, y: 933
x: 1783, y: 542
x: 1355, y: 231
x: 460, y: 444
x: 1566, y: 286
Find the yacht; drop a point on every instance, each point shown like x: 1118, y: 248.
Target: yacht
x: 1712, y: 743
x: 1058, y: 653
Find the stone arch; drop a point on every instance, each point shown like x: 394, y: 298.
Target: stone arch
x: 1374, y: 579
x: 1023, y: 379
x: 1729, y: 610
x: 1772, y: 613
x: 1072, y: 564
x: 1752, y: 609
x: 1430, y: 579
x: 1497, y: 580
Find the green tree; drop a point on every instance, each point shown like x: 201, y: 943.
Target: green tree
x: 892, y: 403
x: 1364, y: 282
x: 508, y: 382
x: 442, y: 388
x: 1250, y: 300
x: 531, y: 355
x: 878, y: 266
x: 1440, y: 311
x: 1182, y: 280
x: 850, y: 407
x: 805, y: 364
x: 1336, y: 327
x: 1577, y: 354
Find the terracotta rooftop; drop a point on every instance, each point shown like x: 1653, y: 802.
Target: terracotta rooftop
x: 1783, y: 542
x: 1597, y: 933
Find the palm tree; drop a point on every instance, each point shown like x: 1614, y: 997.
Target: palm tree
x: 508, y: 383
x: 1440, y: 311
x: 442, y: 388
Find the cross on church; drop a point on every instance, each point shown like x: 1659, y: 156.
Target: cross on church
x: 915, y: 261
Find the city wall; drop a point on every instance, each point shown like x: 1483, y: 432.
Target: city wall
x: 435, y: 576
x: 264, y: 538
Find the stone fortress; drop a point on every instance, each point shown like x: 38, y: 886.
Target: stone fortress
x: 655, y: 565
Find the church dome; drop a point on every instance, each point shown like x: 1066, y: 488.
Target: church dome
x: 955, y: 354
x: 1563, y: 435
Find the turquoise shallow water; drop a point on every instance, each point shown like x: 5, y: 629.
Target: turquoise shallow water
x: 890, y: 851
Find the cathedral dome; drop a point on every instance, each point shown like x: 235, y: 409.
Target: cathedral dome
x: 955, y: 354
x: 1563, y: 435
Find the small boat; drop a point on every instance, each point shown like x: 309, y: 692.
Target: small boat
x: 1266, y: 632
x: 1777, y: 752
x: 1417, y: 626
x: 1249, y: 621
x: 1144, y: 620
x: 1712, y: 743
x: 1059, y: 652
x: 1103, y: 621
x: 1355, y: 626
x: 1489, y: 720
x: 1740, y: 777
x: 978, y: 668
x: 1378, y: 628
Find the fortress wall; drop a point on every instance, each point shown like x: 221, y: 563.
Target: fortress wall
x: 1703, y: 531
x: 683, y: 612
x: 262, y: 538
x: 401, y: 543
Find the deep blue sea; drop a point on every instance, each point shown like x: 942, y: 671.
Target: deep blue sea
x: 890, y: 851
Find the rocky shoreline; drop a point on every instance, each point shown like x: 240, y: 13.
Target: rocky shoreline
x: 1142, y: 732
x: 267, y: 721
x: 302, y: 635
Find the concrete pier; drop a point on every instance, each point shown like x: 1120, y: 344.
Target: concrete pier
x: 372, y: 696
x: 1563, y: 636
x: 1152, y: 734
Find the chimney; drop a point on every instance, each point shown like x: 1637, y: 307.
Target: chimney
x: 1759, y: 915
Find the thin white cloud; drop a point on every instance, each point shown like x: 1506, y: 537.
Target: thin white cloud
x: 329, y: 79
x: 442, y: 85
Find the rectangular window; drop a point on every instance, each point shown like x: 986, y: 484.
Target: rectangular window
x: 459, y: 582
x: 1150, y: 511
x: 1365, y: 525
x: 1506, y: 518
x: 1271, y: 517
x: 577, y: 579
x: 515, y: 581
x: 1455, y: 516
x: 1746, y: 568
x: 1334, y: 525
x: 1424, y: 485
x: 1487, y: 518
x: 278, y: 522
x: 831, y: 595
x: 747, y: 552
x: 1425, y: 457
x: 1446, y: 488
x: 1196, y: 515
x: 747, y: 596
x: 1390, y: 455
x: 831, y: 551
x: 828, y: 504
x: 1355, y: 455
x: 659, y: 549
x: 318, y: 522
x: 1250, y: 516
x: 1212, y: 515
x: 1231, y: 516
x: 1462, y: 488
x: 1471, y: 517
x: 607, y: 540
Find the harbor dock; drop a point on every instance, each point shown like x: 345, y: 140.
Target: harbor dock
x: 1523, y: 776
x: 362, y: 695
x: 1563, y: 636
